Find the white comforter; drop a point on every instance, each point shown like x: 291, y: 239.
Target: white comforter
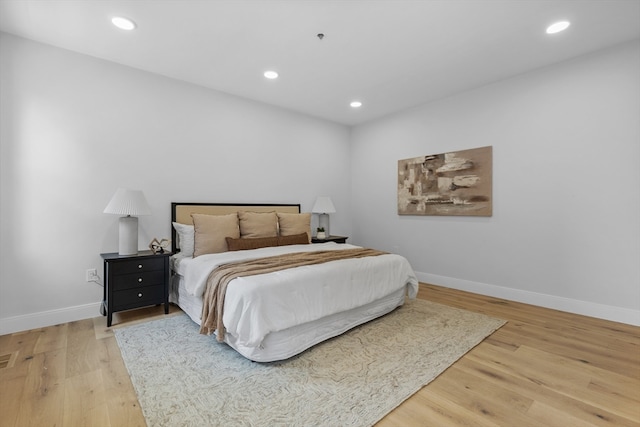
x: 258, y: 305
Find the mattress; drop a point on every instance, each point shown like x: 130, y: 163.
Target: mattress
x: 304, y: 306
x: 287, y: 343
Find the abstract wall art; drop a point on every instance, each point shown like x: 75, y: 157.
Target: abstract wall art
x: 454, y: 183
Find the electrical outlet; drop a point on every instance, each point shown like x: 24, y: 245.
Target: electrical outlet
x: 92, y: 275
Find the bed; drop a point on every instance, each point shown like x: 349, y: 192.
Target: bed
x: 278, y: 314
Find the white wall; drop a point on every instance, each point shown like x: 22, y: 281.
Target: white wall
x: 75, y: 128
x: 565, y: 232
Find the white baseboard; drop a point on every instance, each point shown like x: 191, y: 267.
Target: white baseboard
x: 25, y: 322
x: 585, y: 308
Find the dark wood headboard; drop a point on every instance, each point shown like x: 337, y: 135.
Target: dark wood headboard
x: 181, y: 212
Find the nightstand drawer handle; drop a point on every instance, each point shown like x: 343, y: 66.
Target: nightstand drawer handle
x: 139, y: 265
x: 139, y: 279
x: 140, y: 295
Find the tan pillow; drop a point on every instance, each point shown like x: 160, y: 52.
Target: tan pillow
x: 296, y: 239
x: 255, y: 243
x: 258, y: 224
x: 211, y: 232
x: 292, y: 224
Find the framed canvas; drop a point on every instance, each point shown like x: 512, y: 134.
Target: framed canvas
x: 454, y: 183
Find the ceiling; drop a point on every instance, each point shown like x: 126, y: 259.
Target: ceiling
x: 389, y: 54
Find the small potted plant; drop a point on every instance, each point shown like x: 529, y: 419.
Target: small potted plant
x: 321, y: 234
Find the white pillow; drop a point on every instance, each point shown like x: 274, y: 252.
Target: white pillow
x: 186, y: 241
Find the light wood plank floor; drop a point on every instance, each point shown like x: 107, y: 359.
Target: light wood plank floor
x: 543, y: 368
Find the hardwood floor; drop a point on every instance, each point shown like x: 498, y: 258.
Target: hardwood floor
x: 543, y: 368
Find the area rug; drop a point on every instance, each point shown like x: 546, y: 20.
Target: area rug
x: 183, y: 378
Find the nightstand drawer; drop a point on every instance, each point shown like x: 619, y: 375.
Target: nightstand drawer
x: 138, y: 265
x: 127, y: 281
x: 138, y: 297
x: 337, y: 239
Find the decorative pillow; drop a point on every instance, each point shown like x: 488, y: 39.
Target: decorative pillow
x: 211, y: 232
x: 185, y: 238
x: 292, y: 224
x: 258, y: 224
x: 296, y: 239
x: 254, y: 243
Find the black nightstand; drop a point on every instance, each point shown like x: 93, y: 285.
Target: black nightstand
x: 337, y: 239
x: 134, y: 281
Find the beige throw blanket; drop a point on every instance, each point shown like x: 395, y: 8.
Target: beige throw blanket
x: 212, y: 309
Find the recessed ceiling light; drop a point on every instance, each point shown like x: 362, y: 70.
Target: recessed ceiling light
x: 123, y: 23
x: 557, y: 27
x: 356, y: 104
x: 271, y: 75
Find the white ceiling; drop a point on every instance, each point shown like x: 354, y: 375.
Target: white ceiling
x: 390, y: 54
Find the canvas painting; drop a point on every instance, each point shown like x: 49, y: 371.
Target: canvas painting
x: 455, y: 183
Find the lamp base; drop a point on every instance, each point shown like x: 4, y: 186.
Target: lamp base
x: 323, y: 221
x: 128, y: 236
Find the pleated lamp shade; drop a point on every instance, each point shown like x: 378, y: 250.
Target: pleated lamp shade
x: 128, y: 202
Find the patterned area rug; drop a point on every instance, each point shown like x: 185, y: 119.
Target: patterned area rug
x: 183, y: 378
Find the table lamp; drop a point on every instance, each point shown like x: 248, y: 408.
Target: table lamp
x: 128, y: 202
x: 324, y: 207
